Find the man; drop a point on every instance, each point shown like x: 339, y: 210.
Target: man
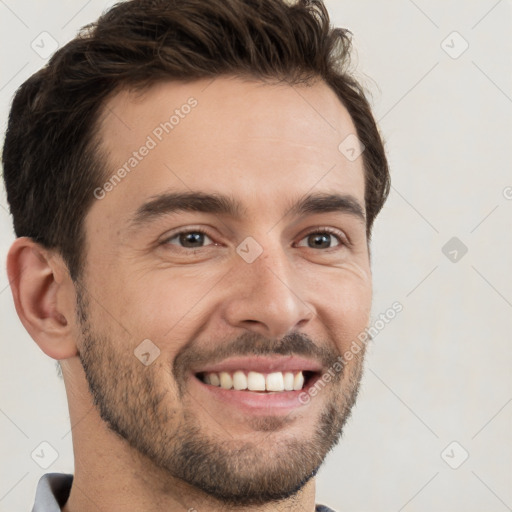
x: 193, y: 186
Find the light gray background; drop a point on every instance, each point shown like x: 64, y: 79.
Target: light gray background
x: 440, y: 371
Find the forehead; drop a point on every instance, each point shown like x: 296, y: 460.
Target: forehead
x: 230, y: 136
x: 228, y: 108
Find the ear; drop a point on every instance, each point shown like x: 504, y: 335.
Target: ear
x: 44, y: 297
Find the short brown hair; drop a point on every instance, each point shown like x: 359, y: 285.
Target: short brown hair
x: 52, y: 159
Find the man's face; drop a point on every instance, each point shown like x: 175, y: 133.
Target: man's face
x: 224, y: 294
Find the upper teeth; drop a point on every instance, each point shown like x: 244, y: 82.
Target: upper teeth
x: 255, y: 381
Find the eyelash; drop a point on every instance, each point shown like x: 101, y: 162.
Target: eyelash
x: 341, y: 239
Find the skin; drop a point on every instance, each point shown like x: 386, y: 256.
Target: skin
x: 267, y: 145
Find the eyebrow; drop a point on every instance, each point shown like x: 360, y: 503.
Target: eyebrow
x: 220, y: 204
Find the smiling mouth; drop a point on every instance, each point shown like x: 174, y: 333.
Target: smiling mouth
x: 258, y: 382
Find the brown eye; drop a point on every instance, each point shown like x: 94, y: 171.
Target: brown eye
x: 322, y: 239
x: 189, y: 239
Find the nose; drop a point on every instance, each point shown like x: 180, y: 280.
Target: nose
x: 267, y: 296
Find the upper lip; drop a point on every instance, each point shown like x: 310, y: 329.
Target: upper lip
x: 262, y: 365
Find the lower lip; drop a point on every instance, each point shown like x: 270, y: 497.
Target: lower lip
x: 280, y: 402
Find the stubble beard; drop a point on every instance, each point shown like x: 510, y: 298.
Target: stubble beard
x: 137, y: 408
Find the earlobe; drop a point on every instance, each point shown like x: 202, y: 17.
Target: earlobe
x: 41, y: 290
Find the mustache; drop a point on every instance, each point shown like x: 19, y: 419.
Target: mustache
x: 253, y: 344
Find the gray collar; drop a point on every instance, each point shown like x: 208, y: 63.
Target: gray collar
x: 53, y: 491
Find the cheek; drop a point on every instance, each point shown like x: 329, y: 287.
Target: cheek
x: 165, y: 306
x: 346, y: 308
